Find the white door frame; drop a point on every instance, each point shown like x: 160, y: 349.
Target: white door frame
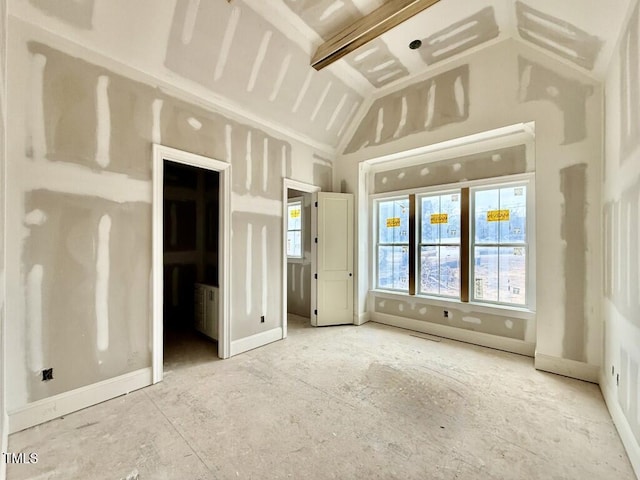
x: 306, y: 188
x: 160, y: 154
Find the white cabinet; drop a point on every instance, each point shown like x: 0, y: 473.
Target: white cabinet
x: 206, y: 310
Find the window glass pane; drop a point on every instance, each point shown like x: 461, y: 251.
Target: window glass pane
x: 485, y: 278
x: 294, y: 244
x: 393, y: 267
x: 294, y: 216
x: 393, y: 221
x: 450, y: 271
x: 440, y: 271
x: 487, y: 202
x: 430, y: 231
x: 513, y: 270
x: 450, y: 231
x: 429, y: 270
x: 513, y: 199
x: 440, y: 219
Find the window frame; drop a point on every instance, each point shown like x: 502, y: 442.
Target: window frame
x: 377, y: 244
x: 467, y: 297
x: 419, y: 244
x: 295, y: 258
x: 473, y: 243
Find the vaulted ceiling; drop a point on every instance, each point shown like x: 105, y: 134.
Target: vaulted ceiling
x: 580, y: 32
x: 252, y: 57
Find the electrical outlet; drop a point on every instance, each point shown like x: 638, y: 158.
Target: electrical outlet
x: 47, y: 374
x: 262, y: 319
x: 446, y: 314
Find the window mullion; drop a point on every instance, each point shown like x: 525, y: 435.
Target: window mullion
x: 464, y: 245
x: 412, y: 244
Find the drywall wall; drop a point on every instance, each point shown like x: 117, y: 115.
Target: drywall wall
x: 506, y: 84
x: 487, y: 164
x: 426, y: 105
x: 299, y: 270
x: 3, y: 104
x: 80, y: 198
x: 620, y: 378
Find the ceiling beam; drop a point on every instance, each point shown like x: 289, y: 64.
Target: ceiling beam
x: 381, y: 20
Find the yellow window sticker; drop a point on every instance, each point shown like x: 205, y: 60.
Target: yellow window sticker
x: 438, y: 218
x: 295, y: 213
x: 498, y: 216
x: 393, y: 222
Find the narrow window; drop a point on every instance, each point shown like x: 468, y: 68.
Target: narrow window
x: 393, y: 244
x: 440, y: 244
x: 294, y: 228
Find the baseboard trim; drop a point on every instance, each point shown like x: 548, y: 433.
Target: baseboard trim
x: 361, y: 319
x: 622, y: 425
x: 255, y: 341
x: 469, y: 336
x: 567, y: 368
x: 50, y: 408
x: 4, y: 444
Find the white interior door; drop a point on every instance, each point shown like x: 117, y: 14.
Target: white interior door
x: 335, y: 259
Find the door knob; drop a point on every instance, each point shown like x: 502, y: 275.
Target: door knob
x: 351, y: 274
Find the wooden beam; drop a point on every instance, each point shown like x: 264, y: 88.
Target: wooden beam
x: 381, y: 20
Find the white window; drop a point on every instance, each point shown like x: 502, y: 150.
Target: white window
x: 470, y: 244
x: 393, y: 244
x: 294, y: 228
x: 440, y: 244
x: 499, y: 244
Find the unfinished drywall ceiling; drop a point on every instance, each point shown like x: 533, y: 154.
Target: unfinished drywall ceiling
x: 571, y: 30
x: 232, y: 49
x: 254, y: 56
x: 227, y: 51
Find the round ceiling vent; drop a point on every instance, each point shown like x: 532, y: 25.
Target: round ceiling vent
x: 415, y: 44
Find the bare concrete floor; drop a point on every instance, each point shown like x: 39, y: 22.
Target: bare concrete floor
x: 340, y: 402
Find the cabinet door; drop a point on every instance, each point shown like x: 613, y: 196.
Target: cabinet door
x: 213, y: 332
x: 199, y: 308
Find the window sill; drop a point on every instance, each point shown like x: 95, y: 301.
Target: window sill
x: 502, y: 310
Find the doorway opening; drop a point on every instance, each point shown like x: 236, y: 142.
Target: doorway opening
x: 298, y: 253
x: 190, y: 259
x: 191, y: 281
